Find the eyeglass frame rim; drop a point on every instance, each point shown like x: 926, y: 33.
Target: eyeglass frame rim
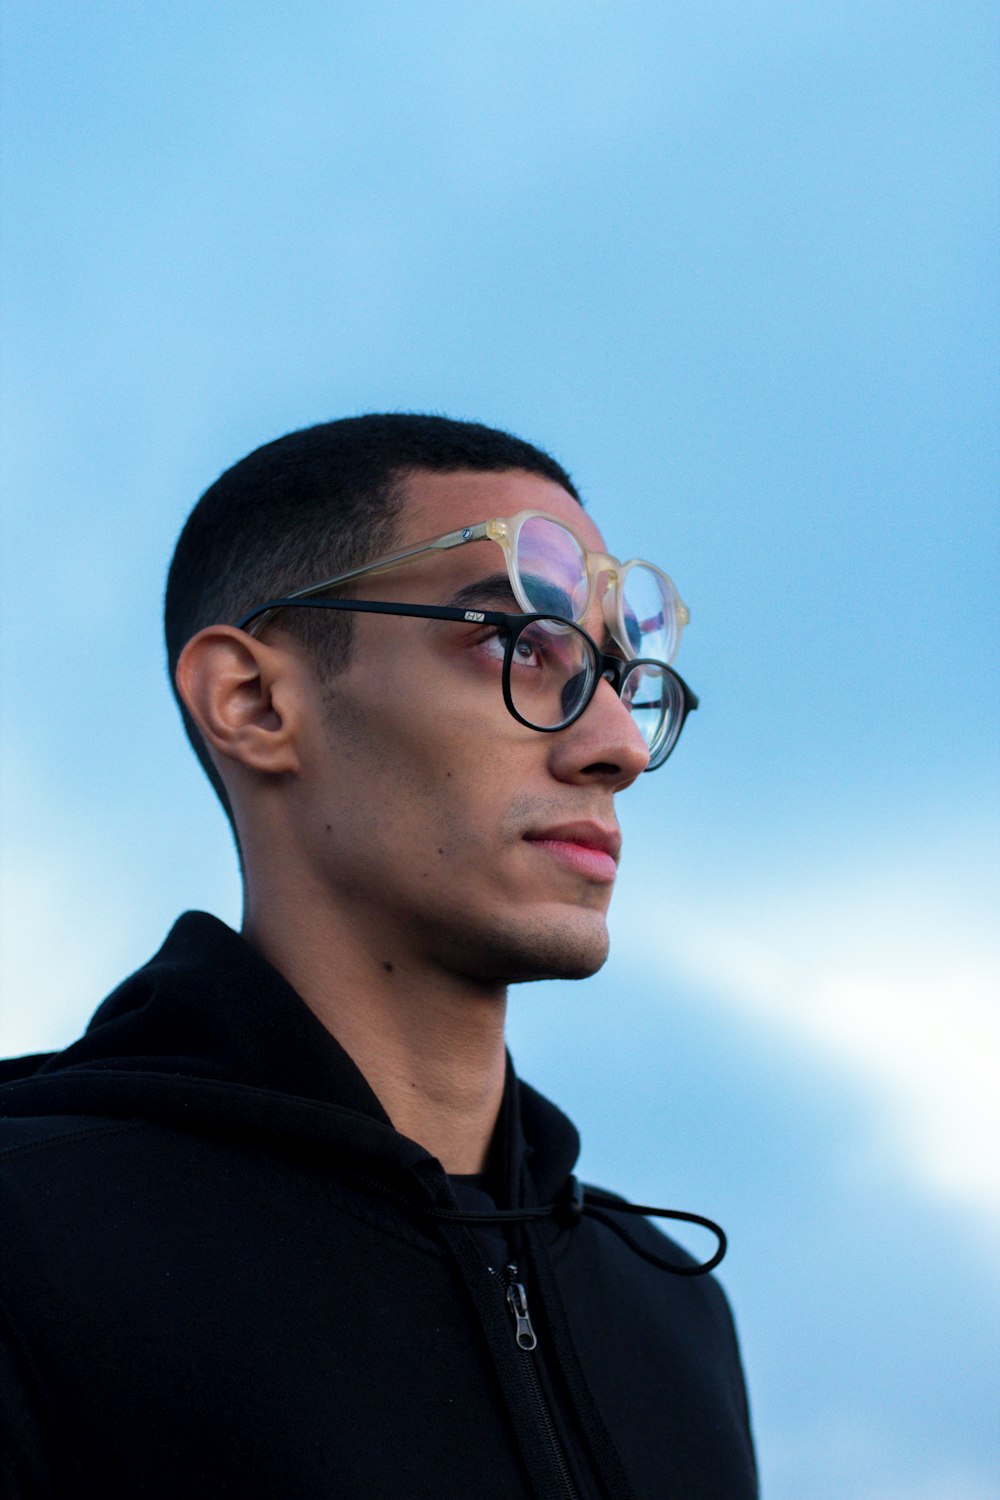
x: 612, y: 669
x: 496, y: 530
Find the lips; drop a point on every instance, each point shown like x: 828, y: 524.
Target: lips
x: 589, y: 849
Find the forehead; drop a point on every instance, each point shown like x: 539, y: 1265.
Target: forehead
x: 436, y: 503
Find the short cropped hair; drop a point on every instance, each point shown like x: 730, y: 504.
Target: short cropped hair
x: 306, y: 506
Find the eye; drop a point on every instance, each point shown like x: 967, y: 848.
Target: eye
x: 546, y: 646
x: 526, y: 651
x: 489, y: 644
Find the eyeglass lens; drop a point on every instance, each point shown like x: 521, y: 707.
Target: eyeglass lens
x: 552, y: 569
x: 551, y: 677
x: 649, y: 616
x: 655, y: 701
x: 552, y: 672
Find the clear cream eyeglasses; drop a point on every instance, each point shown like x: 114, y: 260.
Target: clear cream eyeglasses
x: 551, y: 572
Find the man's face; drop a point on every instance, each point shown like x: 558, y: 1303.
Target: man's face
x: 452, y: 834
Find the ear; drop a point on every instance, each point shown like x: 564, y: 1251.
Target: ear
x: 245, y: 698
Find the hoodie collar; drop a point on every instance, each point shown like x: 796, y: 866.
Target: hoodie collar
x: 209, y: 1035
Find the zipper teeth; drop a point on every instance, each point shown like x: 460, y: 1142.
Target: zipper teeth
x: 507, y: 1278
x: 550, y: 1432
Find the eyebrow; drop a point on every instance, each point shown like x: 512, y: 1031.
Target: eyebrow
x: 494, y: 590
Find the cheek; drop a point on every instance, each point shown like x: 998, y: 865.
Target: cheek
x: 407, y: 804
x: 426, y: 781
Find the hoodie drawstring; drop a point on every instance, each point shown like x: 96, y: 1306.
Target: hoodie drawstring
x: 576, y: 1200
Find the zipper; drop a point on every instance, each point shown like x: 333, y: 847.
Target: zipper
x: 527, y: 1342
x: 517, y: 1301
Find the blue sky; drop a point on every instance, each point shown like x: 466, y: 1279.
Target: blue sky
x: 735, y: 265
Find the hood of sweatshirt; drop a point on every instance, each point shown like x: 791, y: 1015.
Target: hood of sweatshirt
x: 208, y: 1036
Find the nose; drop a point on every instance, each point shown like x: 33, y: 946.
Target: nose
x: 603, y: 745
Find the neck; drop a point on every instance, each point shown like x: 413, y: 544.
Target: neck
x: 429, y: 1043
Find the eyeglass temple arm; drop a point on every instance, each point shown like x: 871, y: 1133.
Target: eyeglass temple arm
x: 381, y: 565
x: 251, y: 622
x: 439, y: 544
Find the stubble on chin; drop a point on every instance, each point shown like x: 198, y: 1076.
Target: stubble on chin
x: 554, y: 938
x: 571, y: 946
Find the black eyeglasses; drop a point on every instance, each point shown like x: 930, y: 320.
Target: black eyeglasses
x: 551, y: 669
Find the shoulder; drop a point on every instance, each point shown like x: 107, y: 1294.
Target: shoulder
x: 51, y: 1173
x: 33, y: 1146
x: 651, y: 1266
x: 39, y: 1133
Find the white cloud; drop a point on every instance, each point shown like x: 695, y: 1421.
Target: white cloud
x: 74, y: 925
x: 58, y: 954
x: 89, y: 887
x: 893, y: 974
x: 75, y: 916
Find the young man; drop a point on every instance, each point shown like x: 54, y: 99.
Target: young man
x: 284, y: 1221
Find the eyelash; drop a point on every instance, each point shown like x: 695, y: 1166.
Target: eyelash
x: 490, y: 636
x: 495, y: 637
x: 528, y: 653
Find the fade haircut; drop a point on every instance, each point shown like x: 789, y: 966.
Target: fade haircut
x: 308, y: 506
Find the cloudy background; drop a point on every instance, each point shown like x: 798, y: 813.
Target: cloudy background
x: 733, y: 263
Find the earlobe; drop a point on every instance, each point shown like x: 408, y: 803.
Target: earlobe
x: 241, y: 695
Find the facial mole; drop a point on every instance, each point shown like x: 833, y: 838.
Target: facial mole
x: 440, y: 851
x: 329, y: 827
x: 387, y: 966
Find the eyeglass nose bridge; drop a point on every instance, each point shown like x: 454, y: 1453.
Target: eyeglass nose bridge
x: 604, y: 570
x: 612, y: 670
x: 608, y: 581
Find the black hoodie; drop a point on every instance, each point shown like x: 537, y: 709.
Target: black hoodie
x: 224, y: 1273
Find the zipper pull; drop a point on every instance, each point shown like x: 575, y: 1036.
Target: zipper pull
x: 517, y: 1301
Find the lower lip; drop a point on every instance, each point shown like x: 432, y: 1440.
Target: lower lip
x: 594, y: 863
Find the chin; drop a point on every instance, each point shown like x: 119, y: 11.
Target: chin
x: 558, y: 947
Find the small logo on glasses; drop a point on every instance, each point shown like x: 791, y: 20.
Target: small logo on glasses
x: 473, y: 614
